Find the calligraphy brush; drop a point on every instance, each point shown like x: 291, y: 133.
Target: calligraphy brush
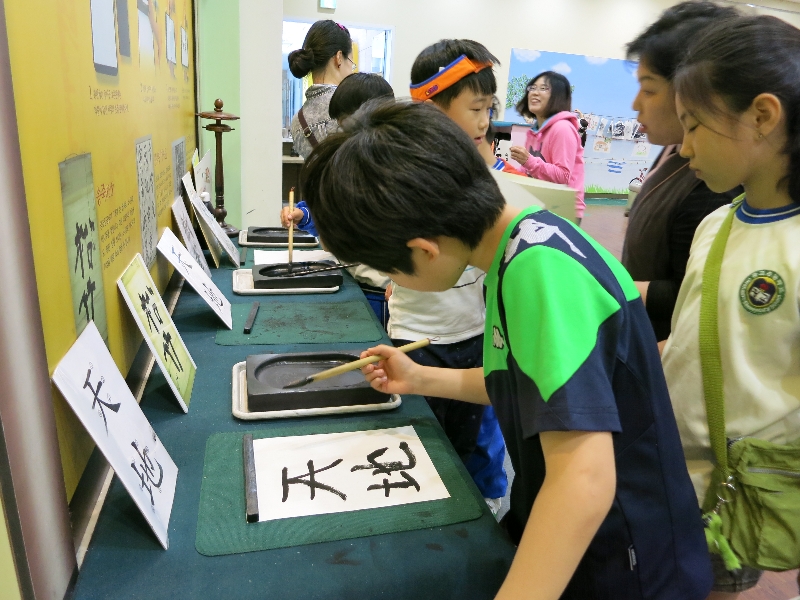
x: 356, y: 364
x: 312, y: 271
x: 291, y: 226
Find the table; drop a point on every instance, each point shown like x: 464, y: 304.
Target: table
x: 124, y: 560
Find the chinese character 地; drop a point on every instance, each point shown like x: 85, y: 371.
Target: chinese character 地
x: 146, y: 471
x: 387, y: 468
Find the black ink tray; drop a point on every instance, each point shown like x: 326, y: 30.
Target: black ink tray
x: 268, y: 373
x: 278, y: 235
x: 277, y: 277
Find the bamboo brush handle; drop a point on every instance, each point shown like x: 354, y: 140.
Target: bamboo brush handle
x: 291, y: 225
x: 363, y: 362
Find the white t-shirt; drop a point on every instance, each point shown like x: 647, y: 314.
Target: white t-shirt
x: 454, y: 315
x: 759, y: 334
x: 369, y: 276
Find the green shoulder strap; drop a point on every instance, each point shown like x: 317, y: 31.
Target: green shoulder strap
x: 710, y: 357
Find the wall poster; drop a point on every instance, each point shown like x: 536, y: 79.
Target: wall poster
x: 100, y: 97
x: 603, y: 90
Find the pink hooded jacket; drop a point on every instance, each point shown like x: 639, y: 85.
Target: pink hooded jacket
x: 556, y: 154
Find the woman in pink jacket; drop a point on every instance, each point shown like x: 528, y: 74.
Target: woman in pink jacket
x: 553, y: 150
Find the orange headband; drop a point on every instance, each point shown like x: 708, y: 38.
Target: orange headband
x: 451, y: 74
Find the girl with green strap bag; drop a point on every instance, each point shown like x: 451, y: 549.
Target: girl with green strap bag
x: 752, y: 507
x: 732, y: 362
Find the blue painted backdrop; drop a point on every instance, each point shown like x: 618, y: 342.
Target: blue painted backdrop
x: 603, y: 89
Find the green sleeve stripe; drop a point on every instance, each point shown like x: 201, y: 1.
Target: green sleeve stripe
x: 554, y: 308
x: 620, y: 272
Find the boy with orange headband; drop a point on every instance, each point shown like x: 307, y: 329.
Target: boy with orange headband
x: 457, y: 77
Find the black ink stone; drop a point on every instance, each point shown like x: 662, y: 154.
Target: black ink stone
x: 277, y: 235
x: 268, y: 373
x: 278, y: 277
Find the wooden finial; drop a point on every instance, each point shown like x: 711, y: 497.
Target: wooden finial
x: 218, y: 105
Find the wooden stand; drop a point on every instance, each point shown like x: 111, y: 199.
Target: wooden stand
x: 219, y: 179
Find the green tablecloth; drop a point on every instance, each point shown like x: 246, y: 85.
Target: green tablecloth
x: 125, y: 561
x: 222, y: 529
x: 303, y: 323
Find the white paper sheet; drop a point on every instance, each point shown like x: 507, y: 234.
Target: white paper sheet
x: 211, y: 229
x: 159, y: 331
x: 278, y: 257
x: 347, y: 465
x: 171, y: 54
x: 202, y: 175
x: 91, y: 383
x: 186, y: 265
x: 187, y: 233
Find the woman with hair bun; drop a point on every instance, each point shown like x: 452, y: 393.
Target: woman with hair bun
x: 327, y: 54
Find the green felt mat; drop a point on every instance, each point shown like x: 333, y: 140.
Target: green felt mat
x: 303, y: 323
x: 222, y: 528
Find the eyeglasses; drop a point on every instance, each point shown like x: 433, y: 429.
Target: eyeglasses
x: 533, y: 88
x: 352, y: 62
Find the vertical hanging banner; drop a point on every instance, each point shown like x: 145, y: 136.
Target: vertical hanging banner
x: 160, y: 333
x: 187, y: 266
x: 147, y: 198
x: 83, y: 243
x: 178, y: 165
x: 91, y: 383
x: 187, y: 233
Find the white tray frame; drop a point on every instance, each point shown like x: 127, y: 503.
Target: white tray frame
x: 243, y: 285
x: 243, y: 242
x: 239, y: 402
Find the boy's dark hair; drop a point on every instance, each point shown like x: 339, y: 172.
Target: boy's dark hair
x: 429, y: 62
x: 323, y: 40
x: 560, y: 95
x: 384, y: 181
x: 356, y: 89
x: 663, y: 45
x: 736, y: 61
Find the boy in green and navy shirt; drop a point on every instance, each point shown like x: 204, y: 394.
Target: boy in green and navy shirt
x: 601, y: 505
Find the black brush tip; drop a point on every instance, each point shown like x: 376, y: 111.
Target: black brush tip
x: 298, y: 383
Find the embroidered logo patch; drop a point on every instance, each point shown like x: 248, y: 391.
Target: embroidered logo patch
x: 762, y: 292
x: 497, y: 338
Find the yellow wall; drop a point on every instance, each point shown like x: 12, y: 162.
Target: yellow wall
x: 65, y: 107
x: 9, y: 586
